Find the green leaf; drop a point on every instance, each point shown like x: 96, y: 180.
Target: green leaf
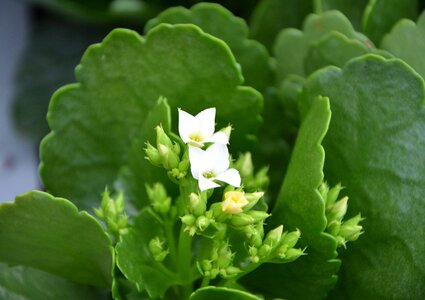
x: 381, y: 15
x: 406, y: 40
x: 352, y: 9
x: 214, y: 293
x: 136, y: 261
x: 271, y: 16
x: 300, y: 205
x: 24, y: 283
x: 47, y: 64
x: 333, y: 49
x: 219, y: 22
x: 119, y: 81
x: 49, y: 234
x: 133, y: 176
x: 295, y: 44
x: 376, y: 148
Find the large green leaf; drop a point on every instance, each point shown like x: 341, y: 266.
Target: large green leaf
x: 214, y: 293
x: 352, y: 9
x: 219, y: 22
x: 47, y: 64
x: 381, y: 15
x: 407, y: 41
x: 49, y: 234
x: 300, y: 205
x: 139, y: 171
x: 376, y: 147
x: 292, y: 45
x: 136, y: 261
x: 24, y: 283
x: 95, y: 121
x: 271, y: 16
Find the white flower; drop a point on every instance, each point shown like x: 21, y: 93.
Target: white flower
x: 198, y: 130
x: 212, y: 164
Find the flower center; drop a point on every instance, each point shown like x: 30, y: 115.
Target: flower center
x: 195, y: 137
x: 208, y: 174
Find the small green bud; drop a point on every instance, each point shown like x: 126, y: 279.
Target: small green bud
x: 338, y: 210
x: 158, y: 197
x: 292, y: 254
x: 176, y: 148
x: 184, y: 165
x: 258, y: 215
x: 224, y: 256
x: 252, y: 198
x: 197, y: 204
x: 334, y: 227
x: 206, y: 265
x: 333, y: 194
x: 157, y: 250
x: 351, y: 230
x: 188, y: 219
x: 264, y: 250
x: 241, y: 219
x: 170, y: 159
x: 291, y: 238
x: 152, y: 154
x: 323, y: 190
x: 273, y: 237
x: 162, y: 138
x: 244, y: 165
x: 202, y: 223
x: 231, y: 271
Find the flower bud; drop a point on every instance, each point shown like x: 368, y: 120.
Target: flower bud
x: 230, y: 271
x: 227, y: 130
x: 252, y: 199
x: 184, y: 165
x: 351, y: 230
x: 264, y: 251
x: 158, y: 197
x: 258, y: 215
x: 338, y: 210
x: 188, y: 219
x: 291, y: 238
x: 233, y: 202
x: 197, y: 204
x: 323, y: 190
x: 244, y: 165
x: 162, y: 138
x: 273, y: 237
x: 333, y: 194
x: 152, y: 154
x: 202, y: 223
x: 157, y: 250
x: 292, y: 254
x: 170, y: 159
x: 242, y: 219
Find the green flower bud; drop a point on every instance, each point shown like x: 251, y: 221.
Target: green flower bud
x: 188, y: 219
x: 152, y: 154
x: 273, y: 237
x: 162, y: 138
x: 224, y: 256
x: 227, y: 130
x: 334, y: 227
x: 338, y: 210
x: 351, y: 230
x: 244, y: 165
x: 206, y: 265
x: 230, y: 271
x: 258, y: 215
x: 184, y: 165
x: 176, y: 148
x: 290, y: 239
x: 292, y: 254
x: 170, y: 159
x: 264, y: 251
x: 252, y: 199
x: 158, y: 197
x: 333, y: 194
x: 157, y: 250
x: 241, y: 219
x: 197, y: 204
x: 202, y: 223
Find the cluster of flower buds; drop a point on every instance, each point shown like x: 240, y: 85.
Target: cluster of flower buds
x: 252, y: 181
x: 158, y: 198
x: 277, y: 246
x: 220, y: 263
x: 156, y: 246
x: 343, y: 231
x: 167, y: 154
x: 111, y: 211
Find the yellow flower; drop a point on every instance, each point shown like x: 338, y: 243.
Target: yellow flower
x: 233, y: 202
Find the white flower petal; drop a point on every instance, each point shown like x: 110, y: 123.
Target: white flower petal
x: 188, y: 125
x: 206, y: 120
x: 197, y: 163
x: 219, y: 155
x: 231, y: 177
x: 205, y: 183
x: 219, y: 137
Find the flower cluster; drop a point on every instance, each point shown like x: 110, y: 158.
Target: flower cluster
x: 198, y: 160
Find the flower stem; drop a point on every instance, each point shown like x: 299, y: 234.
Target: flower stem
x: 184, y: 263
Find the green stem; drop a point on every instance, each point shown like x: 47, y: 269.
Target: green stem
x: 248, y: 269
x: 169, y: 234
x: 205, y: 282
x: 317, y: 6
x: 185, y: 263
